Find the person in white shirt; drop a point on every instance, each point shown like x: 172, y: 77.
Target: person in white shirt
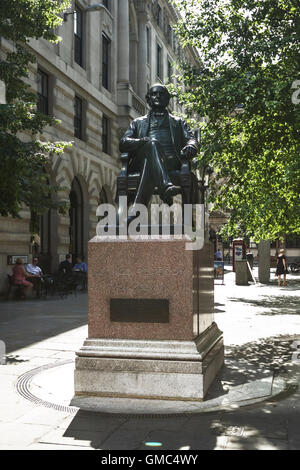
x: 35, y: 274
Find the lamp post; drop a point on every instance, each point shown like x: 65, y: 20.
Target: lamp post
x: 203, y: 174
x: 94, y: 7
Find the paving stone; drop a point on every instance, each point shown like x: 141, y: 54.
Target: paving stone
x: 254, y: 320
x: 39, y: 446
x: 79, y: 438
x: 21, y: 435
x: 235, y: 443
x: 43, y: 415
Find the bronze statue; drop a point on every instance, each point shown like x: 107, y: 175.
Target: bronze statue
x: 157, y: 143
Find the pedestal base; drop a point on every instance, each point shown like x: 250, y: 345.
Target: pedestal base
x: 156, y: 369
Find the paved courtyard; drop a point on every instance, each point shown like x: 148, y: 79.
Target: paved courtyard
x: 260, y: 324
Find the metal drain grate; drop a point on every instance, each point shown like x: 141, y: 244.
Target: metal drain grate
x: 23, y: 388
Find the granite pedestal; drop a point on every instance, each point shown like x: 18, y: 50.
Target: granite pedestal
x: 151, y: 329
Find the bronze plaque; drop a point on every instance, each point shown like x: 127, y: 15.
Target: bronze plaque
x: 139, y: 310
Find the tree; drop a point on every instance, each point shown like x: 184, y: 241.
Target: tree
x: 24, y: 158
x: 249, y: 54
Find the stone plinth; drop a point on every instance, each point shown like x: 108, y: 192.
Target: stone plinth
x: 151, y: 329
x: 241, y: 273
x: 264, y: 261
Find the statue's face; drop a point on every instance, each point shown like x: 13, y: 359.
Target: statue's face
x: 158, y: 98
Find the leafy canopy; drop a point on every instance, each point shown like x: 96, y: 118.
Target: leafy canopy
x: 24, y: 158
x: 249, y: 54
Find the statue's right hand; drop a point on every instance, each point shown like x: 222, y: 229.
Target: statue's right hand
x: 144, y: 140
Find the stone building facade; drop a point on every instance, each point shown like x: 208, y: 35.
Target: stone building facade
x: 94, y: 81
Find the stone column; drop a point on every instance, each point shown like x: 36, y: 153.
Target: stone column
x: 123, y: 41
x: 133, y: 63
x: 264, y: 261
x: 142, y: 57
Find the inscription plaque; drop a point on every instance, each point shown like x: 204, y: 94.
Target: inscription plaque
x: 139, y: 310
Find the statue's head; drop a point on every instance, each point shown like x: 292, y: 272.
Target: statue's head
x: 158, y: 97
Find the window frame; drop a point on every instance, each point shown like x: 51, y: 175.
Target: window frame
x: 78, y: 36
x: 170, y: 70
x: 107, y: 4
x: 159, y: 61
x: 106, y: 54
x: 78, y: 118
x: 43, y: 100
x: 148, y: 39
x: 106, y: 140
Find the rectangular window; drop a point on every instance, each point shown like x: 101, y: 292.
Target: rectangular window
x: 158, y: 15
x: 105, y: 61
x: 78, y: 118
x: 106, y: 3
x: 159, y: 61
x: 105, y: 135
x: 148, y: 44
x: 169, y: 35
x: 43, y: 92
x: 170, y: 71
x: 78, y: 35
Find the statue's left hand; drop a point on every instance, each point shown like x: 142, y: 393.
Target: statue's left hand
x: 188, y: 152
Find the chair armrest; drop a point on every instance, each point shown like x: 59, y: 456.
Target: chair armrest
x: 185, y: 166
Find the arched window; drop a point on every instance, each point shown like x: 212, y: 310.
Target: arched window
x: 42, y: 242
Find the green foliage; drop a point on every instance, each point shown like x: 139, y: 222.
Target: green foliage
x: 23, y: 158
x: 249, y: 55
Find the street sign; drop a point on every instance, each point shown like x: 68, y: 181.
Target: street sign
x: 219, y: 270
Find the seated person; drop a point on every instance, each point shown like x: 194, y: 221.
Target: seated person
x: 34, y: 274
x: 156, y: 143
x: 20, y: 275
x: 65, y: 266
x: 81, y: 268
x: 80, y: 265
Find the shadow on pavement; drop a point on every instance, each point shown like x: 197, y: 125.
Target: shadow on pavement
x: 279, y: 305
x: 261, y: 426
x: 143, y: 433
x: 32, y: 321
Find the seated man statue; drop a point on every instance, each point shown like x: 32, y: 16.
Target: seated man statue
x: 156, y: 142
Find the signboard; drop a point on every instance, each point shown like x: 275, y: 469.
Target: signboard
x: 238, y: 252
x: 219, y: 270
x: 11, y: 259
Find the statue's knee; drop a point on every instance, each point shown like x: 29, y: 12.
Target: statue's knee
x: 154, y: 142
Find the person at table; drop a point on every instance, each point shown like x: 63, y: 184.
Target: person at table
x: 80, y: 265
x: 65, y: 266
x: 20, y: 277
x: 35, y: 274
